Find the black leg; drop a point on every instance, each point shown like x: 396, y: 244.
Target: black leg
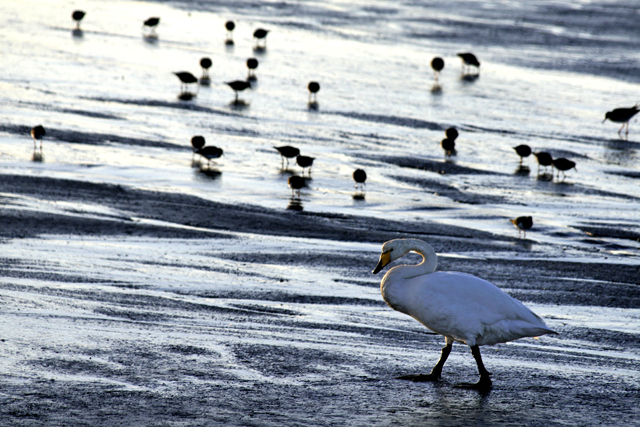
x: 435, y: 372
x: 485, y: 381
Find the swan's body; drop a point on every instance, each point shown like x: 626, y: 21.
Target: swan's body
x: 459, y: 306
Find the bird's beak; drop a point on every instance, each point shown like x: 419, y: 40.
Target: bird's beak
x: 385, y: 259
x: 605, y: 119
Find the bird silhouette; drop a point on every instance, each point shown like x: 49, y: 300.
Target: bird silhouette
x: 205, y: 63
x: 314, y: 88
x: 239, y: 86
x: 469, y: 60
x: 229, y: 25
x: 77, y: 16
x: 563, y: 165
x: 544, y: 159
x: 186, y: 78
x: 260, y: 34
x: 210, y: 153
x: 305, y: 162
x: 296, y: 183
x: 522, y: 223
x: 523, y: 151
x: 197, y: 142
x: 622, y: 115
x: 437, y: 64
x: 151, y: 25
x: 287, y: 152
x: 252, y: 64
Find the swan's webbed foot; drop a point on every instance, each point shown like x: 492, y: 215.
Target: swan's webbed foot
x: 420, y: 378
x: 483, y: 385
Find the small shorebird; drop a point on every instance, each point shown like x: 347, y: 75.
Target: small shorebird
x: 296, y: 183
x: 239, y: 86
x: 305, y: 162
x: 522, y: 223
x: 359, y: 176
x: 523, y: 151
x: 197, y: 142
x: 205, y: 63
x: 314, y: 88
x: 544, y: 159
x: 260, y: 34
x: 210, y: 152
x: 449, y: 147
x: 437, y: 64
x: 151, y: 23
x: 252, y: 64
x: 77, y: 16
x: 469, y: 60
x: 287, y: 152
x: 185, y: 79
x: 37, y: 133
x: 451, y: 133
x: 563, y: 165
x: 229, y: 25
x: 622, y: 115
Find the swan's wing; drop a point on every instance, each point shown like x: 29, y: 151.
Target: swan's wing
x: 469, y: 308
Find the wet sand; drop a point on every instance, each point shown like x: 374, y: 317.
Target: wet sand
x: 157, y: 308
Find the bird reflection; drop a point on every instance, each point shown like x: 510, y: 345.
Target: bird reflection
x: 359, y: 176
x: 37, y: 133
x: 522, y: 170
x: 295, y: 204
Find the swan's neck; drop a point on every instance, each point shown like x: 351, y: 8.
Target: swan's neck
x: 428, y: 264
x: 393, y: 286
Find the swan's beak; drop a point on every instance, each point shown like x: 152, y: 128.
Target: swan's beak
x: 385, y: 259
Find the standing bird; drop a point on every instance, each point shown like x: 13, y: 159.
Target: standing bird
x: 77, y: 16
x: 622, y: 115
x: 449, y: 147
x: 544, y: 159
x: 287, y: 152
x: 210, y: 152
x: 459, y: 306
x: 205, y: 63
x: 451, y: 133
x: 252, y: 64
x: 186, y: 78
x: 305, y: 162
x: 523, y: 151
x: 239, y: 86
x: 296, y: 183
x: 469, y: 60
x: 314, y: 88
x: 151, y: 24
x: 437, y: 64
x: 563, y: 165
x: 522, y: 223
x: 197, y: 142
x: 359, y: 176
x: 260, y: 34
x: 229, y: 25
x: 37, y: 133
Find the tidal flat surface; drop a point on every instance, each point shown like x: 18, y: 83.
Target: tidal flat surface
x: 140, y: 287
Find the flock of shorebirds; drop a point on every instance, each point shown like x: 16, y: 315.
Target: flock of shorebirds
x: 470, y: 69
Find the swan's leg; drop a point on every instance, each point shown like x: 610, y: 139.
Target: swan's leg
x: 485, y: 380
x: 436, y: 371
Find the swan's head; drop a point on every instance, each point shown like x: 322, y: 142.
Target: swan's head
x: 394, y: 249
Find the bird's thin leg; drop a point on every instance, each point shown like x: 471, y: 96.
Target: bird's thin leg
x: 436, y: 371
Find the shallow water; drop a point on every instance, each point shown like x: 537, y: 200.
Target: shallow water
x: 109, y: 102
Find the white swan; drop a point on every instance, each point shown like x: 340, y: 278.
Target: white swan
x: 460, y: 306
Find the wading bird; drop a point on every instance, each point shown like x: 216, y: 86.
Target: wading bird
x: 252, y: 64
x: 197, y: 142
x: 459, y: 306
x: 563, y: 165
x: 229, y: 25
x: 359, y: 176
x: 305, y: 162
x: 437, y: 64
x: 210, y: 153
x: 544, y: 159
x: 186, y: 78
x: 469, y: 60
x: 622, y: 115
x: 261, y: 34
x: 77, y: 16
x: 287, y: 152
x: 296, y: 183
x: 151, y: 24
x: 523, y: 151
x: 314, y: 88
x: 239, y: 86
x: 205, y: 63
x: 37, y: 133
x: 522, y: 223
